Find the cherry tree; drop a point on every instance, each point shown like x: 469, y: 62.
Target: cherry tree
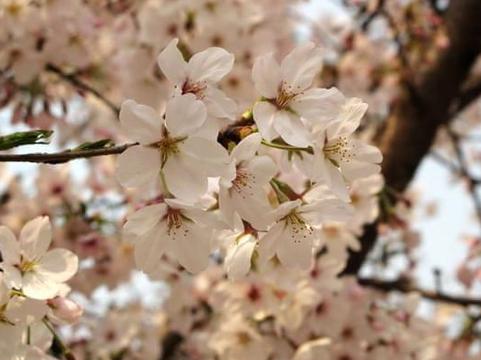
x: 233, y: 179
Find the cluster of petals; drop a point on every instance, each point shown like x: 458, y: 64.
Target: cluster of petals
x: 179, y: 153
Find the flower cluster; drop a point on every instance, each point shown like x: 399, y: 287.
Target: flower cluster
x: 210, y: 193
x: 33, y: 289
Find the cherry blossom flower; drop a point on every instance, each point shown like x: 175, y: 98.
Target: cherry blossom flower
x: 288, y: 106
x: 199, y: 77
x: 29, y: 266
x: 238, y: 258
x: 246, y: 194
x: 173, y: 228
x: 168, y: 150
x: 238, y: 339
x: 292, y: 237
x: 338, y: 158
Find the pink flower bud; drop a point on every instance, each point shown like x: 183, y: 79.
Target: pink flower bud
x: 65, y: 309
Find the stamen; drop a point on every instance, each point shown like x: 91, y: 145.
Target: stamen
x: 196, y: 88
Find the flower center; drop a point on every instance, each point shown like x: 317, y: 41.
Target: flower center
x: 284, y: 97
x: 243, y: 181
x: 3, y: 317
x: 196, y: 88
x: 243, y: 337
x: 168, y: 146
x: 300, y: 228
x: 338, y: 151
x: 27, y: 266
x: 175, y: 221
x: 14, y: 8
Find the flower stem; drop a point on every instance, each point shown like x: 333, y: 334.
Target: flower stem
x: 287, y: 147
x: 58, y: 343
x: 281, y: 196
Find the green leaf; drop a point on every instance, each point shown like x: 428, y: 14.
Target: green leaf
x: 100, y: 144
x: 34, y: 137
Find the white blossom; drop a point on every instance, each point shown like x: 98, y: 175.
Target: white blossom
x: 292, y: 237
x: 246, y: 193
x: 29, y: 266
x: 288, y: 105
x: 167, y: 149
x: 171, y: 228
x: 199, y: 77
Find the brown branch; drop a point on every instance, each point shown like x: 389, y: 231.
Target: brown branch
x: 76, y: 82
x: 419, y: 112
x: 62, y: 157
x: 470, y: 93
x: 404, y: 286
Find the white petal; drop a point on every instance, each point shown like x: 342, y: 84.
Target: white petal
x: 12, y: 277
x: 144, y: 219
x: 351, y: 115
x: 207, y: 157
x: 359, y: 169
x: 252, y: 204
x: 269, y: 243
x: 335, y: 181
x: 211, y: 65
x: 219, y: 104
x: 247, y: 148
x: 315, y: 105
x: 184, y: 115
x: 191, y: 246
x: 210, y: 129
x: 295, y: 246
x: 285, y: 208
x: 227, y: 207
x: 138, y: 166
x: 58, y: 265
x: 365, y: 152
x: 262, y: 169
x: 9, y: 246
x: 327, y: 210
x: 299, y: 68
x: 139, y: 122
x: 238, y: 257
x: 21, y: 309
x: 264, y: 115
x: 266, y: 75
x: 35, y: 237
x: 291, y: 129
x: 183, y: 181
x: 40, y: 287
x: 149, y: 248
x: 172, y: 63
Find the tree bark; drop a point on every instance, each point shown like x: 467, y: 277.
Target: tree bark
x: 424, y: 106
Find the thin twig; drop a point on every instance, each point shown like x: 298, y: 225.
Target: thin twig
x: 405, y: 286
x: 464, y: 171
x: 75, y: 81
x: 62, y: 157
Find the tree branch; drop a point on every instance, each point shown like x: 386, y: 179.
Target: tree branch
x: 62, y: 157
x: 419, y: 112
x: 470, y: 93
x: 404, y: 286
x: 75, y: 81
